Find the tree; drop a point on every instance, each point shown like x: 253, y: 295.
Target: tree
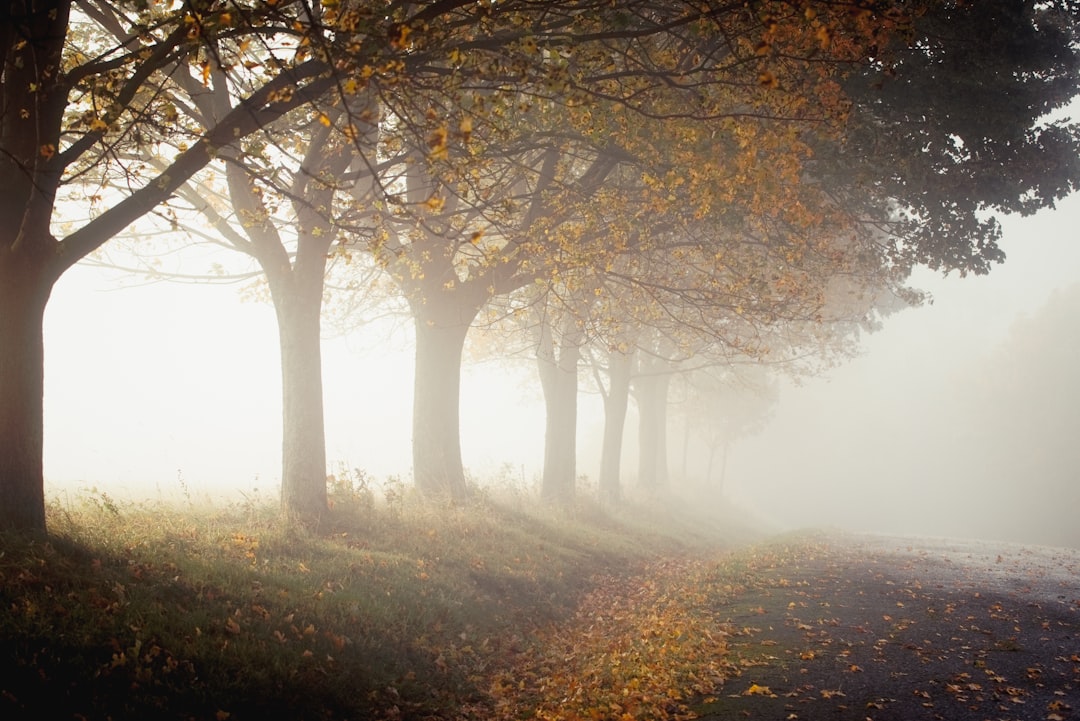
x: 952, y: 129
x: 71, y: 99
x: 616, y: 395
x: 559, y: 340
x: 292, y: 249
x: 526, y: 160
x: 944, y: 131
x: 769, y: 167
x: 723, y: 404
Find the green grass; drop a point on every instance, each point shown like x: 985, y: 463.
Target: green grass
x: 394, y: 609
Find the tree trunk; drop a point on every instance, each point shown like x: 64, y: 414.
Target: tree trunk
x: 652, y: 432
x: 437, y: 466
x: 296, y: 287
x: 24, y: 291
x: 559, y: 379
x: 303, y: 437
x: 620, y: 367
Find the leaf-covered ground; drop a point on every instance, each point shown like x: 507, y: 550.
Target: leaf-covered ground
x: 498, y: 614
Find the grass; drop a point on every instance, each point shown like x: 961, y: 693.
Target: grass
x: 392, y: 609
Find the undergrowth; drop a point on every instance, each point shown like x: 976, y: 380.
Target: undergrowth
x: 392, y: 608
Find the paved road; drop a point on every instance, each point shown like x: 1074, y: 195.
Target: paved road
x: 863, y: 627
x: 1036, y: 573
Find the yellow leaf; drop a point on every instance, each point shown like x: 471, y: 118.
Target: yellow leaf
x: 98, y: 125
x: 399, y: 36
x: 437, y: 142
x: 756, y: 690
x: 324, y: 119
x: 824, y: 37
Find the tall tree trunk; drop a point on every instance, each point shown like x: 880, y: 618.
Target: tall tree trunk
x: 437, y: 466
x: 651, y: 394
x: 620, y: 368
x: 559, y: 379
x: 33, y: 96
x: 24, y: 291
x: 303, y: 437
x: 296, y: 287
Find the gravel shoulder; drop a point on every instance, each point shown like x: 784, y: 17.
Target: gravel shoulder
x: 865, y: 627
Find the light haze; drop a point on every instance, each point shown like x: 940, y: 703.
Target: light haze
x: 165, y: 389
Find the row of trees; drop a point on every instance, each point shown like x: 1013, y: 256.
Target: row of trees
x: 662, y: 184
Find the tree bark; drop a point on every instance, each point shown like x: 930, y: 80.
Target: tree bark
x: 559, y: 379
x: 303, y: 437
x: 24, y: 291
x: 437, y: 466
x: 652, y: 432
x: 616, y: 403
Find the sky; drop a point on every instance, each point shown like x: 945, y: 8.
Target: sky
x: 173, y: 390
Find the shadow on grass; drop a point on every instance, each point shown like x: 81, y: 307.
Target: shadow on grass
x: 149, y: 611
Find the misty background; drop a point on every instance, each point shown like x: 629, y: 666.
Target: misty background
x: 958, y: 418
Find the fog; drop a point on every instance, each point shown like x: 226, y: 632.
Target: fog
x: 955, y: 420
x: 171, y: 390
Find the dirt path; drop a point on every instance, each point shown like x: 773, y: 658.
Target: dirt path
x: 883, y: 628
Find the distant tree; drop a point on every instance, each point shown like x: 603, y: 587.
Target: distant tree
x: 722, y: 404
x: 560, y: 336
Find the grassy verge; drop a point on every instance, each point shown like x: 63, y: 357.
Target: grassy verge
x: 390, y: 610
